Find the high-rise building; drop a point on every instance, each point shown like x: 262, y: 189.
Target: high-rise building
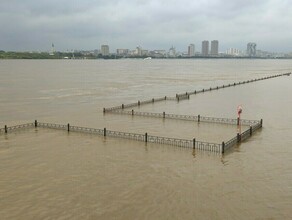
x: 191, y: 50
x: 214, y: 47
x: 104, y: 49
x: 205, y: 48
x: 251, y: 49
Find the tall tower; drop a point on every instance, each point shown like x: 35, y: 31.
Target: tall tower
x: 191, y: 50
x: 52, y: 50
x: 205, y: 48
x: 214, y: 47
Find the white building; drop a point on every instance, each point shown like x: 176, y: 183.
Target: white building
x: 233, y: 52
x: 104, y: 49
x: 191, y: 50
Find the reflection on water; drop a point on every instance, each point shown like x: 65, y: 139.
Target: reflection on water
x: 56, y: 175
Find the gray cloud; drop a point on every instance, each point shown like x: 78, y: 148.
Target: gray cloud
x: 86, y: 24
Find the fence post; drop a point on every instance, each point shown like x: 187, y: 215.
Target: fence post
x: 188, y: 96
x: 138, y: 103
x: 238, y: 137
x: 104, y: 132
x: 146, y: 136
x: 163, y: 114
x: 210, y: 88
x: 261, y: 123
x: 223, y: 86
x: 250, y: 130
x: 5, y: 128
x: 35, y: 123
x: 223, y: 147
x: 194, y: 143
x: 103, y: 110
x: 153, y: 100
x: 199, y: 118
x: 164, y: 97
x: 195, y: 91
x: 132, y: 111
x: 122, y: 106
x: 238, y: 120
x: 68, y: 127
x: 203, y: 90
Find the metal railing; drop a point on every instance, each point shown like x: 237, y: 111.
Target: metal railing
x: 126, y: 135
x: 200, y: 145
x: 170, y: 141
x: 208, y: 146
x: 243, y: 136
x: 86, y: 130
x: 198, y: 118
x: 186, y: 95
x: 7, y: 129
x: 232, y: 142
x: 50, y: 125
x: 230, y: 85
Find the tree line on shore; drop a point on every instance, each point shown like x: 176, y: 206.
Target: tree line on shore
x: 79, y: 55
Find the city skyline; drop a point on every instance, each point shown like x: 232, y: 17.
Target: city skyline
x: 82, y: 25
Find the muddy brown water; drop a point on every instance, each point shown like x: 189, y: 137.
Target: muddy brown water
x: 50, y: 174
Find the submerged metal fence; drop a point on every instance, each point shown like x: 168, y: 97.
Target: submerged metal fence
x: 242, y: 136
x: 254, y: 124
x: 186, y: 95
x: 16, y: 127
x: 215, y: 147
x: 197, y: 118
x: 200, y: 145
x: 230, y: 85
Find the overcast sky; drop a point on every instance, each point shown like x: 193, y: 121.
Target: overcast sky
x: 27, y: 25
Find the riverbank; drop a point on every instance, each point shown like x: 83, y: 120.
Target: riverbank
x: 81, y: 55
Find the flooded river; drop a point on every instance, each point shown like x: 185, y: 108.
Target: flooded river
x: 51, y: 174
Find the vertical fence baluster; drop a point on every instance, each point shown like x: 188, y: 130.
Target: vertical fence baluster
x: 223, y: 147
x: 238, y: 138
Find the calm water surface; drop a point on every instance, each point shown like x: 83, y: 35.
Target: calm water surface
x: 48, y: 174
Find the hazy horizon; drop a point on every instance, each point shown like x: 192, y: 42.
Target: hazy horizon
x: 73, y: 25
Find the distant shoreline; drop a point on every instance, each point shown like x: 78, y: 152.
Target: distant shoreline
x: 78, y: 55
